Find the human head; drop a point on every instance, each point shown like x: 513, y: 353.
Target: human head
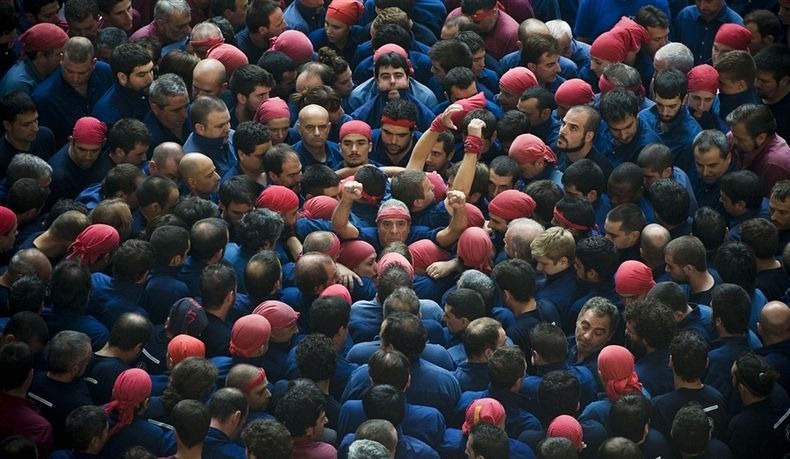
x: 169, y: 98
x: 132, y: 67
x: 595, y: 325
x: 229, y: 407
x: 731, y: 308
x: 751, y: 126
x: 619, y: 109
x: 553, y: 250
x: 172, y: 18
x: 736, y: 72
x: 711, y: 155
x: 302, y: 410
x: 267, y: 438
x: 773, y: 78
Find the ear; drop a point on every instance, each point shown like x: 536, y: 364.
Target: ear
x: 6, y: 125
x: 667, y: 173
x: 200, y: 128
x: 123, y: 78
x: 592, y: 196
x: 117, y: 154
x: 241, y: 99
x: 589, y: 136
x: 760, y: 139
x: 532, y: 66
x: 563, y: 261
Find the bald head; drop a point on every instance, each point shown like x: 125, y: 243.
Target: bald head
x: 29, y: 262
x: 318, y: 241
x: 774, y: 324
x: 206, y: 32
x: 531, y: 26
x: 312, y: 112
x: 519, y: 235
x: 652, y: 243
x: 191, y: 163
x: 314, y: 272
x: 208, y: 78
x: 199, y: 174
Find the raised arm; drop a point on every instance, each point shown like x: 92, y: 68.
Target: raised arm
x: 456, y: 202
x: 423, y: 147
x: 352, y: 191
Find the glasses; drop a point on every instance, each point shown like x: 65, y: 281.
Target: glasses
x: 479, y: 17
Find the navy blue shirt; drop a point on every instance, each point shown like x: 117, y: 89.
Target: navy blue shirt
x: 121, y: 102
x: 161, y: 291
x: 544, y: 311
x: 113, y: 298
x: 617, y: 152
x: 667, y: 405
x: 101, y: 375
x: 654, y: 372
x: 334, y: 159
x: 517, y: 419
x: 424, y: 423
x: 678, y: 134
x: 69, y: 179
x: 724, y: 351
x: 219, y: 150
x: 217, y: 445
x: 695, y: 32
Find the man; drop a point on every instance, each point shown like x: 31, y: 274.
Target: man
x: 228, y: 408
x: 75, y: 166
x: 596, y: 263
x: 212, y: 133
x: 232, y: 10
x: 251, y: 142
x: 775, y: 334
x: 446, y: 55
x: 313, y: 126
x: 650, y: 326
x: 164, y: 161
x: 209, y: 78
x: 669, y: 118
x: 773, y: 84
x: 595, y: 326
x: 686, y: 262
x: 128, y: 97
x: 625, y: 134
x: 513, y: 84
x: 393, y: 143
x: 267, y: 438
x: 282, y: 167
x: 264, y: 20
x: 199, y: 175
x: 656, y: 23
x: 779, y: 209
x: 540, y: 53
x: 554, y: 252
x: 696, y: 26
x: 170, y: 26
x: 498, y: 29
x: 169, y: 99
x: 218, y: 292
x: 82, y: 18
x: 72, y: 90
x: 538, y: 104
x: 623, y: 226
x: 305, y: 15
x: 737, y: 74
x: 43, y: 45
x: 355, y: 142
x: 712, y: 159
x: 250, y: 86
x: 22, y: 131
x: 757, y: 146
x: 117, y: 13
x: 578, y: 130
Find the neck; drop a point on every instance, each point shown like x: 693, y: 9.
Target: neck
x: 220, y: 312
x: 324, y: 386
x: 184, y: 452
x: 18, y: 144
x: 259, y: 40
x: 579, y: 154
x: 476, y: 358
x: 112, y: 351
x: 764, y: 264
x: 20, y: 392
x: 48, y: 245
x: 749, y: 399
x: 60, y: 377
x: 700, y: 281
x: 682, y: 384
x: 779, y: 96
x: 242, y: 114
x: 317, y: 153
x: 222, y: 427
x: 519, y: 307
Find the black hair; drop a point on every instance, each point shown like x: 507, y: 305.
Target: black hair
x: 558, y: 393
x: 26, y: 294
x: 732, y: 305
x: 671, y: 201
x: 69, y: 287
x: 670, y: 84
x: 126, y: 57
x: 743, y: 185
x: 512, y: 124
x: 488, y: 440
x: 194, y: 209
x: 316, y: 178
x: 276, y: 63
x: 736, y: 264
x: 132, y: 260
x: 618, y: 104
x: 629, y: 416
x: 83, y: 424
x: 652, y: 321
x: 406, y: 333
x: 599, y: 254
x: 517, y: 277
x: 761, y: 235
x: 26, y: 194
x: 191, y: 420
x: 261, y: 274
x: 466, y: 303
x: 129, y: 330
x: 585, y: 176
x: 246, y: 78
x: 709, y: 227
x: 316, y: 358
x: 506, y: 366
x: 549, y: 341
x: 300, y: 407
x: 386, y: 402
x: 259, y: 228
x: 546, y: 194
x: 328, y: 315
x: 267, y: 438
x: 216, y: 281
x: 16, y: 363
x: 249, y: 135
x: 227, y: 401
x: 689, y: 353
x: 389, y: 367
x: 207, y: 237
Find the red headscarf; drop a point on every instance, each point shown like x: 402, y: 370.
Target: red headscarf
x: 517, y: 80
x: 183, y: 346
x: 474, y: 249
x: 614, y: 45
x: 512, y: 204
x: 633, y: 278
x: 567, y: 427
x: 353, y: 253
x: 270, y: 109
x: 279, y: 314
x: 574, y: 92
x: 7, y: 219
x: 467, y: 105
x: 616, y: 365
x: 703, y: 78
x: 230, y: 56
x: 278, y: 198
x: 483, y: 410
x: 43, y: 37
x: 424, y: 252
x: 474, y: 216
x: 439, y: 187
x: 346, y: 11
x: 94, y: 242
x: 337, y: 290
x: 394, y: 258
x: 319, y: 207
x: 528, y: 148
x: 294, y: 44
x: 735, y: 36
x: 249, y: 333
x: 355, y: 126
x: 131, y: 389
x: 89, y: 130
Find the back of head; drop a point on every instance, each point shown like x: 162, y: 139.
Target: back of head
x: 385, y: 402
x: 691, y: 429
x: 300, y: 407
x: 226, y: 402
x: 506, y: 367
x: 557, y: 448
x: 70, y: 286
x: 367, y: 449
x: 489, y: 441
x: 262, y: 274
x: 731, y: 308
x: 619, y: 448
x: 267, y: 438
x: 406, y: 333
x: 217, y: 281
x: 316, y: 358
x: 558, y: 393
x: 629, y: 417
x: 689, y: 354
x: 16, y: 365
x: 389, y: 367
x: 191, y: 420
x: 380, y: 431
x: 130, y: 330
x: 83, y: 424
x: 207, y: 237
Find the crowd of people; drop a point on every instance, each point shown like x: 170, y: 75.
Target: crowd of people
x: 394, y: 229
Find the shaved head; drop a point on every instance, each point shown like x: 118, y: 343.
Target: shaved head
x: 774, y: 324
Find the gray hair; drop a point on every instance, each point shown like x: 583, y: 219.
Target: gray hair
x: 67, y: 349
x: 164, y: 9
x: 711, y: 138
x: 602, y: 307
x: 480, y: 283
x: 622, y: 75
x: 675, y: 56
x: 167, y: 85
x: 392, y: 203
x: 24, y: 165
x: 367, y: 449
x: 559, y: 29
x: 79, y: 49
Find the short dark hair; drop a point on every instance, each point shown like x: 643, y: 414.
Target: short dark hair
x: 512, y: 124
x: 629, y: 416
x: 386, y: 402
x: 83, y: 424
x: 549, y: 341
x: 691, y: 429
x: 26, y: 294
x: 316, y: 357
x: 761, y: 235
x: 670, y: 294
x: 216, y: 281
x: 775, y: 58
x: 652, y: 321
x: 671, y: 201
x: 191, y: 419
x: 194, y: 209
x: 328, y: 314
x: 227, y: 401
x: 466, y: 303
x: 244, y: 80
x: 300, y: 407
x: 599, y: 254
x: 630, y: 217
x: 15, y: 103
x: 618, y: 104
x: 450, y: 54
x: 154, y: 189
x: 544, y: 97
x: 316, y: 178
x: 536, y: 45
x: 249, y: 135
x: 167, y: 242
x: 132, y: 260
x: 393, y: 60
x: 737, y: 65
x: 129, y: 330
x: 262, y: 273
x: 670, y: 84
x: 558, y: 393
x: 650, y: 16
x: 406, y: 333
x: 481, y: 334
x: 127, y: 56
x: 400, y: 109
x: 258, y: 227
x: 689, y: 353
x: 458, y: 77
x: 736, y: 264
x: 123, y: 178
x: 267, y: 438
x: 276, y: 63
x: 389, y: 367
x: 709, y: 227
x: 488, y: 440
x: 27, y: 327
x: 732, y: 305
x: 258, y: 13
x: 743, y: 185
x: 517, y: 276
x: 26, y: 194
x: 585, y: 176
x: 69, y: 287
x: 506, y: 366
x: 207, y: 237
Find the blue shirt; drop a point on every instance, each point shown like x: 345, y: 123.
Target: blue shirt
x: 617, y: 152
x: 667, y: 405
x: 587, y: 383
x: 250, y: 49
x: 219, y: 150
x: 303, y: 19
x: 69, y: 179
x: 334, y: 159
x: 654, y: 372
x: 472, y: 376
x: 595, y: 17
x: 121, y: 102
x: 407, y: 447
x: 369, y: 89
x: 724, y: 351
x: 356, y: 35
x: 139, y: 433
x: 429, y: 12
x: 371, y: 111
x: 417, y: 52
x: 217, y: 445
x: 21, y: 77
x: 159, y: 133
x: 114, y: 297
x: 678, y: 134
x: 695, y: 32
x: 60, y: 105
x: 161, y: 291
x: 517, y: 419
x: 421, y: 422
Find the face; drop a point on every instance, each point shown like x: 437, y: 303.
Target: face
x: 729, y: 86
x: 497, y: 224
x: 668, y: 109
x: 718, y: 50
x: 708, y: 9
x: 217, y: 125
x: 88, y: 28
x: 499, y: 183
x: 437, y: 159
x: 77, y: 74
x: 592, y: 332
x: 658, y: 37
x: 621, y: 193
x: 767, y: 87
x: 140, y: 79
x: 651, y: 176
x: 336, y: 31
x: 318, y: 428
x: 784, y: 14
x: 597, y: 65
x: 485, y: 20
x: 530, y: 108
x: 454, y: 323
x: 396, y: 139
x: 572, y: 134
x: 238, y: 16
x: 278, y: 127
x: 175, y: 28
x: 83, y: 154
x: 343, y: 84
x: 258, y: 398
x: 565, y: 46
x: 24, y: 127
x: 206, y: 181
x: 729, y: 205
x: 393, y: 230
x: 547, y: 68
x: 391, y: 79
x: 205, y: 83
x: 368, y: 267
x: 137, y: 155
x: 620, y: 238
x: 427, y: 194
x: 624, y: 131
x: 120, y: 16
x: 7, y: 239
x: 676, y: 272
x: 253, y: 162
x: 277, y: 24
x: 256, y: 98
x: 779, y: 212
x: 742, y: 139
x: 314, y: 127
x: 478, y: 62
x: 355, y: 149
x: 710, y: 164
x: 700, y: 102
x: 549, y: 267
x: 291, y: 175
x: 507, y: 99
x: 49, y: 13
x: 174, y: 113
x: 457, y: 93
